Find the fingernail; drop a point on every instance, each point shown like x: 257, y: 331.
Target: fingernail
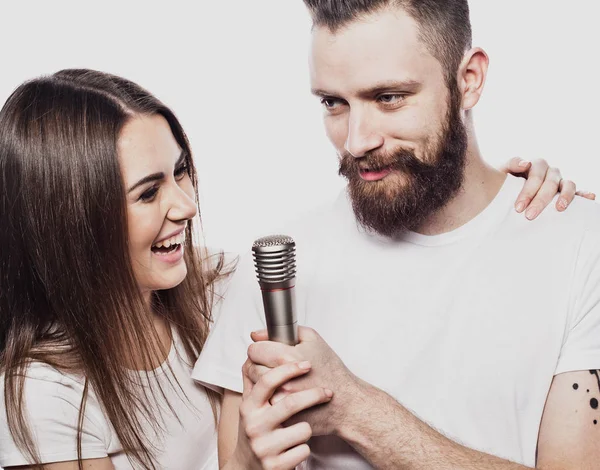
x: 562, y: 203
x: 531, y: 213
x: 304, y: 365
x: 520, y: 206
x: 328, y: 393
x: 524, y: 163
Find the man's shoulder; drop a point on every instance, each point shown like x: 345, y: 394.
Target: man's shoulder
x: 581, y: 216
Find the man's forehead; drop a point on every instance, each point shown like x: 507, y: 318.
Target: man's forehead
x: 383, y: 46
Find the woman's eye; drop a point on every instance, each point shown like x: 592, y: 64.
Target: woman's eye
x: 148, y: 195
x: 181, y: 172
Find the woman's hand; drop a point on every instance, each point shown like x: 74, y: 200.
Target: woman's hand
x: 543, y: 182
x: 262, y: 440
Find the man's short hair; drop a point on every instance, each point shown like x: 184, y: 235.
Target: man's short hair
x: 444, y: 25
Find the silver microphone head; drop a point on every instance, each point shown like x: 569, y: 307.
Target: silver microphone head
x: 275, y: 261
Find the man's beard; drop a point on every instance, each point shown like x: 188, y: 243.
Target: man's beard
x: 426, y: 186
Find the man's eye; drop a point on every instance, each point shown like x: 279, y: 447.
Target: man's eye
x: 330, y: 103
x: 181, y: 172
x: 149, y: 195
x: 393, y: 98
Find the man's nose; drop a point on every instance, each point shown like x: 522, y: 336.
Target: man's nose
x: 363, y: 136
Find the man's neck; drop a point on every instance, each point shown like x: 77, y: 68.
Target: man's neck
x: 480, y: 186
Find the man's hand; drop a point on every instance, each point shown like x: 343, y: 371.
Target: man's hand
x: 328, y: 371
x: 543, y: 182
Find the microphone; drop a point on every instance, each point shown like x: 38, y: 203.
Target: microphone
x: 275, y: 263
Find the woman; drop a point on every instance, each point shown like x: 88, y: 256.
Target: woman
x: 105, y: 303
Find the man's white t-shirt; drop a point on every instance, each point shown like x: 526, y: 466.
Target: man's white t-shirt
x: 466, y: 329
x: 53, y: 399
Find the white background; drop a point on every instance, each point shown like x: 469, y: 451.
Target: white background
x: 235, y: 72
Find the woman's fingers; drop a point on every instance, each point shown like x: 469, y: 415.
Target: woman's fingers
x: 294, y: 403
x: 535, y: 179
x: 255, y: 371
x: 272, y: 380
x: 288, y: 460
x: 567, y: 194
x: 274, y: 446
x: 587, y: 195
x: 516, y: 166
x: 266, y: 420
x: 545, y: 193
x: 280, y: 440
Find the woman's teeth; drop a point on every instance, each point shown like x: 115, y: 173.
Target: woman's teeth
x: 176, y: 240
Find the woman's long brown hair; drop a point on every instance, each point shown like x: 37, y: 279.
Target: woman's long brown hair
x: 68, y: 296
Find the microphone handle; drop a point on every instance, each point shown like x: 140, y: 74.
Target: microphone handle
x: 280, y: 315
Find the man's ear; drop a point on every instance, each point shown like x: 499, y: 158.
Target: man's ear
x: 471, y: 76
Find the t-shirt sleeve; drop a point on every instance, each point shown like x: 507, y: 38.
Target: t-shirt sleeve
x: 581, y: 347
x: 52, y: 403
x: 240, y: 312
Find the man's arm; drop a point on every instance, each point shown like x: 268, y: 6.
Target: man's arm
x: 570, y: 431
x: 391, y: 437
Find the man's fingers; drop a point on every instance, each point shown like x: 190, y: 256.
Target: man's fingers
x: 516, y: 166
x: 279, y: 440
x: 567, y: 194
x: 307, y: 334
x: 272, y: 380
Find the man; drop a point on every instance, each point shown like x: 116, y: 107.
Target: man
x: 453, y: 333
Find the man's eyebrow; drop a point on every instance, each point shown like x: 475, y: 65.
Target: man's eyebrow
x: 157, y: 176
x: 410, y: 86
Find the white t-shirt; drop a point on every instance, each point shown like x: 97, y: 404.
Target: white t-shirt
x: 466, y: 328
x: 53, y: 399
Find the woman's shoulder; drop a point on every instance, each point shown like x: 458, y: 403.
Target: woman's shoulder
x: 51, y: 402
x: 44, y: 381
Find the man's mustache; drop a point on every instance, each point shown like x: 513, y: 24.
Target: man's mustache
x: 402, y: 160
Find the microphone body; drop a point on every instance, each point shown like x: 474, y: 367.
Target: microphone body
x: 275, y: 264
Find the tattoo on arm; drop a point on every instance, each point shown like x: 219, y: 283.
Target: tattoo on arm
x: 593, y: 400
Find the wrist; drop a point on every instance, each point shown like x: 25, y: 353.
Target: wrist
x: 356, y: 405
x: 238, y: 461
